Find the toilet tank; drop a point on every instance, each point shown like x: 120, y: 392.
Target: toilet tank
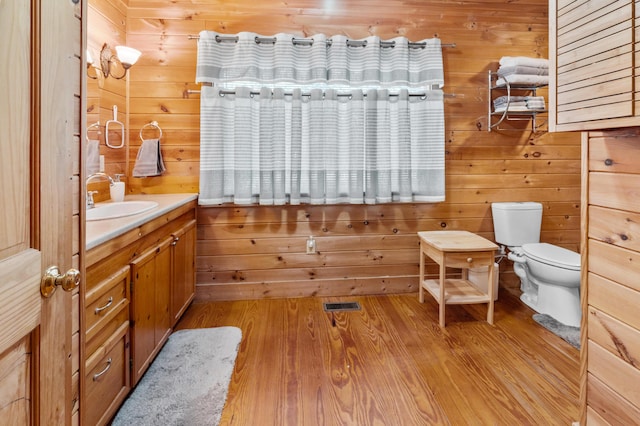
x: 515, y: 224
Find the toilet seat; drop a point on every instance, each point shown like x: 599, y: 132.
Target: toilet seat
x: 552, y: 255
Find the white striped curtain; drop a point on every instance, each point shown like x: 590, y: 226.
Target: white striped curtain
x: 251, y: 59
x: 275, y: 134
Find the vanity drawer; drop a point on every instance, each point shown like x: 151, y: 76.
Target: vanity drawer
x: 105, y: 300
x: 98, y: 339
x: 107, y: 378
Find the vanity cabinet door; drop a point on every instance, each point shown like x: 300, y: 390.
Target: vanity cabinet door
x: 183, y: 260
x: 150, y: 300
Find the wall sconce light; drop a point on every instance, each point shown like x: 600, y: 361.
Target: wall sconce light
x: 112, y: 65
x: 90, y: 66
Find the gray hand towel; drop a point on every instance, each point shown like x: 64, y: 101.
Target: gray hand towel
x: 93, y: 156
x: 149, y: 160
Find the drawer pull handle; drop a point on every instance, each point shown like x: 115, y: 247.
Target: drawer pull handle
x: 97, y: 375
x: 469, y: 259
x: 102, y: 308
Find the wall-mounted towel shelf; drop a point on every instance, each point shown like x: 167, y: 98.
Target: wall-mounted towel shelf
x: 509, y: 113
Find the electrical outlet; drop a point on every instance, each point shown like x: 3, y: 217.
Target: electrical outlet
x: 311, y: 245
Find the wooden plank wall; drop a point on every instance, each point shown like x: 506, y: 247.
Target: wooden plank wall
x: 610, y: 280
x: 595, y: 55
x: 253, y: 252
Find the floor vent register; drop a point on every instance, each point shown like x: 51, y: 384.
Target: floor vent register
x: 341, y: 306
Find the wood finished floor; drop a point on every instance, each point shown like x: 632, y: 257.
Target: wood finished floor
x: 391, y: 364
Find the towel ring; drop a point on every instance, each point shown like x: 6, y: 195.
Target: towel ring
x: 95, y: 126
x: 153, y: 124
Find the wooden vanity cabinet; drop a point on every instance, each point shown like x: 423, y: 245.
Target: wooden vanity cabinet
x: 136, y: 288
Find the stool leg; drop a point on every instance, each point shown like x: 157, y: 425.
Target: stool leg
x: 490, y: 289
x: 442, y: 300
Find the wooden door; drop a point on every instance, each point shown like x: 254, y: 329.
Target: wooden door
x: 35, y: 207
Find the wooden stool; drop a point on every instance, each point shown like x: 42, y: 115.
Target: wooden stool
x: 457, y: 249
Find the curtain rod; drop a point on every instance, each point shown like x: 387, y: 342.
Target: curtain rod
x: 232, y: 92
x: 309, y: 41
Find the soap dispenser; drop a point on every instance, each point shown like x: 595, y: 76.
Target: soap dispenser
x: 117, y: 189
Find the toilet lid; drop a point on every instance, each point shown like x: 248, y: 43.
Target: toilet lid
x: 553, y: 255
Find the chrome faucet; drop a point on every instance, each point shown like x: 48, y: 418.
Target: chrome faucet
x: 90, y: 202
x: 100, y: 174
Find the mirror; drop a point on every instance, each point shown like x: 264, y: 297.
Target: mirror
x: 105, y: 93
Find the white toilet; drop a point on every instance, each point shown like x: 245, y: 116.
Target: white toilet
x: 549, y: 275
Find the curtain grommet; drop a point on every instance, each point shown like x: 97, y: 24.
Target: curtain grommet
x: 302, y: 41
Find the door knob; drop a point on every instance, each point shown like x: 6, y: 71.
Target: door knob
x: 52, y: 278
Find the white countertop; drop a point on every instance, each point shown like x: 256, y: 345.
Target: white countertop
x: 100, y: 231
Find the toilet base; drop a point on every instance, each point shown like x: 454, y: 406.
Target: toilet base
x: 560, y: 302
x: 530, y: 300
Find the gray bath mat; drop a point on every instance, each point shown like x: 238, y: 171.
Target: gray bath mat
x: 569, y: 334
x: 188, y: 381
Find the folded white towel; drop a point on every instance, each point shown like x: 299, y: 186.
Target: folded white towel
x: 536, y: 103
x: 519, y: 103
x: 510, y: 99
x: 514, y: 61
x: 149, y: 159
x: 521, y: 69
x: 513, y: 108
x: 523, y: 79
x: 93, y: 156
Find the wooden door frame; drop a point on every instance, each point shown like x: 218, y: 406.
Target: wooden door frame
x: 35, y: 197
x: 54, y: 124
x: 82, y: 266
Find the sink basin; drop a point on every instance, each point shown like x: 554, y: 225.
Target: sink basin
x: 119, y: 209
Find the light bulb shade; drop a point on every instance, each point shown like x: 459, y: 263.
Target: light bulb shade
x: 127, y: 55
